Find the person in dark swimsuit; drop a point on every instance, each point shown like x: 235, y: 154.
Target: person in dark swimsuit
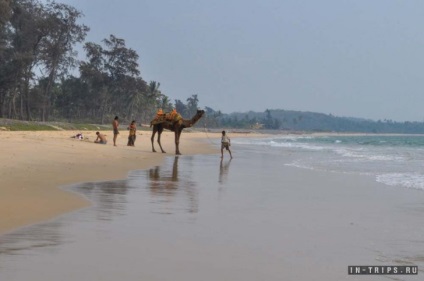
x: 115, y: 125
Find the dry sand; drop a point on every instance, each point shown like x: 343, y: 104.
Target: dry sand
x: 283, y: 223
x: 34, y: 164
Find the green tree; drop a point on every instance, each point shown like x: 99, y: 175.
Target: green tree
x: 192, y: 106
x: 166, y: 104
x: 72, y: 101
x: 180, y: 107
x: 42, y: 36
x: 211, y: 118
x: 57, y: 53
x: 113, y: 76
x: 5, y: 12
x: 19, y: 48
x: 93, y: 73
x: 137, y: 91
x: 121, y: 63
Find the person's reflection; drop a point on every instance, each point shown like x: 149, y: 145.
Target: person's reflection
x: 223, y: 171
x: 164, y: 185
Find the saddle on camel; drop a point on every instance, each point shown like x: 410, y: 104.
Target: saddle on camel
x: 162, y: 117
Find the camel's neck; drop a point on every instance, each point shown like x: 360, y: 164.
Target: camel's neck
x: 190, y: 122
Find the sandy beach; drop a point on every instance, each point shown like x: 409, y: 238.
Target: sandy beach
x: 264, y: 215
x: 33, y: 164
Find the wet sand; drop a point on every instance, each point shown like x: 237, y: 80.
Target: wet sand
x: 34, y: 164
x: 199, y: 218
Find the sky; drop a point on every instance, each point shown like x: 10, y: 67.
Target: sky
x: 356, y: 58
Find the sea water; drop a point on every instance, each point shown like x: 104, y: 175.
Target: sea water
x: 285, y: 208
x: 192, y: 218
x: 395, y: 160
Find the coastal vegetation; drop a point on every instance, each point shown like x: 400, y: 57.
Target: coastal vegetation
x: 42, y: 80
x: 292, y: 120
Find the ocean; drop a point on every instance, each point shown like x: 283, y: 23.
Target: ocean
x: 285, y: 208
x: 395, y: 160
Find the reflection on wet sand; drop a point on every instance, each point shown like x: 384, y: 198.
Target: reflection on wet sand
x: 109, y: 199
x: 81, y: 239
x: 251, y: 233
x: 168, y: 186
x: 223, y: 171
x: 169, y: 190
x: 163, y: 182
x: 40, y: 236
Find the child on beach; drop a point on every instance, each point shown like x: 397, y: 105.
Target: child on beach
x: 225, y: 143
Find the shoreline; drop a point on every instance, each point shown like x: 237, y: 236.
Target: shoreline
x: 274, y: 222
x: 36, y: 165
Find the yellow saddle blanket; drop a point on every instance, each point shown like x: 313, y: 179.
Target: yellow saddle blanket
x: 168, y: 117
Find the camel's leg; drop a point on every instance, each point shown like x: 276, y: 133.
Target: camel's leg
x: 177, y: 141
x: 159, y: 134
x: 153, y: 137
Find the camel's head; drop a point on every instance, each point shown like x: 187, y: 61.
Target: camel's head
x: 200, y: 113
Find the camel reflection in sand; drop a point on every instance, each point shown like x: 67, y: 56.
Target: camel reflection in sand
x: 172, y: 192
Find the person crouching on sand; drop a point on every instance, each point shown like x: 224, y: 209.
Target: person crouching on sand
x: 101, y: 139
x: 225, y: 143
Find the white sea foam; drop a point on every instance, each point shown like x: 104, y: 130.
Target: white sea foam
x: 298, y: 165
x: 280, y: 142
x: 367, y: 154
x: 390, y: 164
x: 305, y: 146
x: 409, y: 180
x: 352, y: 152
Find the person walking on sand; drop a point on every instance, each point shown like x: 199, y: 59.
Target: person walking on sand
x: 101, y: 139
x: 115, y: 125
x: 131, y: 137
x: 225, y: 143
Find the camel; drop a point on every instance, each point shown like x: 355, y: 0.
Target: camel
x: 176, y: 127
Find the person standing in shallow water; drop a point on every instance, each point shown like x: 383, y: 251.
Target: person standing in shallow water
x: 225, y: 143
x: 115, y: 125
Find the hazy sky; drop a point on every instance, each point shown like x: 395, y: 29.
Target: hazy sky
x: 357, y: 58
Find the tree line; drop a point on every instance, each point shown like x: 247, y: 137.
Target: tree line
x: 292, y: 120
x: 38, y: 59
x: 38, y: 62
